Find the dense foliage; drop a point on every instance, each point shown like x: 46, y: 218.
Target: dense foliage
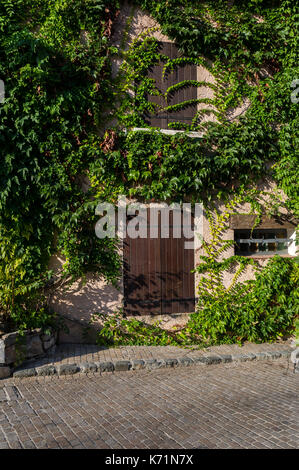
x: 258, y: 311
x: 56, y: 89
x: 56, y: 63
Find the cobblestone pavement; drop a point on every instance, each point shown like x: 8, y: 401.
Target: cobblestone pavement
x: 80, y: 353
x: 248, y: 405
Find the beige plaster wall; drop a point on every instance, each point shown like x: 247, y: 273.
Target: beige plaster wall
x: 130, y: 23
x: 79, y: 301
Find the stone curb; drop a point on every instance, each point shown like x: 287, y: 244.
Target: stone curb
x: 147, y: 364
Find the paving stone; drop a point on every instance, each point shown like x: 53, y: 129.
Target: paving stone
x: 275, y: 355
x: 285, y: 353
x: 243, y: 357
x: 122, y: 365
x: 68, y: 369
x: 200, y: 360
x: 22, y: 373
x: 88, y: 367
x: 46, y: 370
x: 261, y: 356
x: 185, y: 361
x: 154, y: 364
x: 105, y: 366
x: 137, y: 364
x: 226, y: 358
x: 171, y: 362
x: 219, y: 406
x: 213, y: 359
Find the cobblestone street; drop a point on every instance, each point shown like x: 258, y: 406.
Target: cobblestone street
x: 244, y: 405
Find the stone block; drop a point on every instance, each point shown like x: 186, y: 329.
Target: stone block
x: 105, y: 366
x: 137, y: 364
x: 243, y: 357
x: 88, y: 367
x: 171, y: 362
x: 22, y: 373
x: 260, y: 356
x: 15, y: 348
x: 285, y: 353
x: 5, y: 371
x: 251, y: 356
x: 45, y: 337
x: 154, y: 363
x: 46, y: 370
x: 8, y: 354
x: 10, y: 338
x: 185, y: 361
x: 213, y: 359
x: 2, y: 352
x: 68, y: 369
x: 34, y: 346
x: 275, y: 355
x: 226, y: 358
x: 49, y: 343
x: 122, y: 365
x: 201, y: 360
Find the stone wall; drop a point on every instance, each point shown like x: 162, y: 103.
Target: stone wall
x: 15, y: 348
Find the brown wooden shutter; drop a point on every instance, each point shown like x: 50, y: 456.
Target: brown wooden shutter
x: 157, y: 275
x: 179, y: 74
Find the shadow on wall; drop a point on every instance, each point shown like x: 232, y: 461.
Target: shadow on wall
x: 78, y: 302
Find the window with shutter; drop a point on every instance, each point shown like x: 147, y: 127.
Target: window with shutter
x: 261, y: 242
x: 163, y: 118
x: 272, y: 236
x: 158, y: 277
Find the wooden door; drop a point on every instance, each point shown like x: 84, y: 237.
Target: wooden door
x: 157, y: 274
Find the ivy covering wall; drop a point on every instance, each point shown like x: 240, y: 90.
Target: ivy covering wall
x: 60, y: 98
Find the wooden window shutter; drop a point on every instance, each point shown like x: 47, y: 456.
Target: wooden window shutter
x: 179, y: 74
x: 157, y: 274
